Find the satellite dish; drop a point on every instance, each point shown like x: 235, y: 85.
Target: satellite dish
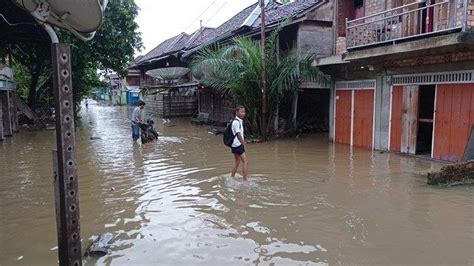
x: 168, y: 73
x: 81, y: 17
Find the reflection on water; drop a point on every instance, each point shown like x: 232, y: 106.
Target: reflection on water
x: 173, y: 202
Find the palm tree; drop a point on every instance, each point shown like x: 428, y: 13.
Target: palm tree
x: 235, y: 70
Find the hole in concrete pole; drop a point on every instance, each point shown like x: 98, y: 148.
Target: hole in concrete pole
x: 66, y: 88
x: 65, y: 73
x: 72, y: 208
x: 64, y: 57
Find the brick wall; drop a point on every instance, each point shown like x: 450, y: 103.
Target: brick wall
x: 341, y: 45
x: 374, y: 6
x: 431, y: 60
x: 470, y: 14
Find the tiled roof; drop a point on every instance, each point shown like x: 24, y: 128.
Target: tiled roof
x: 199, y: 36
x: 171, y: 45
x: 230, y: 25
x: 177, y: 43
x: 277, y: 12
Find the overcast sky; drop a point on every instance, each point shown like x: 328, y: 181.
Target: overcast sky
x: 160, y: 19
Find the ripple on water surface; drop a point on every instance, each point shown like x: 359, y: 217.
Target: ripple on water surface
x: 173, y: 202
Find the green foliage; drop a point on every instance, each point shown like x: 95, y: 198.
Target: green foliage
x: 236, y: 71
x: 112, y: 48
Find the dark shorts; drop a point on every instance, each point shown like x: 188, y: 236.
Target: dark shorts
x: 238, y: 150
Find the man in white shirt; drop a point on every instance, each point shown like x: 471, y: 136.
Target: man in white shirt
x: 238, y: 146
x: 137, y: 120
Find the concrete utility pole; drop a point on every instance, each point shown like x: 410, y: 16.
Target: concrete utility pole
x: 264, y: 72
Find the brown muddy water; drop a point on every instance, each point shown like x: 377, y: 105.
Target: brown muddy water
x: 173, y: 203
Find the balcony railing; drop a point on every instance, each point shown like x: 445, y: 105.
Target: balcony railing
x: 408, y: 21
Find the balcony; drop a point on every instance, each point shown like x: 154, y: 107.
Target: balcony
x: 415, y: 20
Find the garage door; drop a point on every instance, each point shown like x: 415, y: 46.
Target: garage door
x: 354, y: 113
x: 454, y: 119
x: 363, y: 118
x: 343, y: 116
x: 396, y: 118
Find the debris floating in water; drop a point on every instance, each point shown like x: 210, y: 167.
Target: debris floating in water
x: 100, y: 246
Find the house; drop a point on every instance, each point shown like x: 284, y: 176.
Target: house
x: 165, y: 79
x: 308, y: 32
x: 112, y: 92
x: 404, y: 76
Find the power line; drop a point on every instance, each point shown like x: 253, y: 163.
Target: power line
x: 198, y: 17
x: 220, y: 8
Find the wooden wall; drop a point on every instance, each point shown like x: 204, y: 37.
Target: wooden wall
x: 363, y: 118
x: 220, y: 109
x: 167, y: 106
x: 343, y: 116
x: 454, y: 120
x: 396, y: 119
x: 354, y: 124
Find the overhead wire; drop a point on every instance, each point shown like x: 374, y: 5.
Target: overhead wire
x: 200, y: 15
x: 215, y: 13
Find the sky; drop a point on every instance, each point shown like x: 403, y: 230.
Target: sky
x: 160, y: 20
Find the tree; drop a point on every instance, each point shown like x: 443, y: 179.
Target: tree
x: 112, y: 48
x: 235, y: 70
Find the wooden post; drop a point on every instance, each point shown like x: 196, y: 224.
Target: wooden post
x: 67, y: 202
x: 14, y: 111
x: 2, y: 137
x: 264, y: 70
x: 7, y: 119
x: 409, y: 119
x: 294, y: 110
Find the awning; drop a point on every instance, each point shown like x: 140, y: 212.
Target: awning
x: 133, y: 89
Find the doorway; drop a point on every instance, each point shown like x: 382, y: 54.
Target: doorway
x: 426, y: 103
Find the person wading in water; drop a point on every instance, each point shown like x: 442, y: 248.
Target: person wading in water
x: 238, y: 146
x: 137, y: 120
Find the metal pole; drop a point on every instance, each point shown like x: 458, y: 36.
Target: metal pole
x: 464, y: 14
x: 264, y: 70
x: 66, y: 188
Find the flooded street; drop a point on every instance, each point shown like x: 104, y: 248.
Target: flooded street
x: 172, y: 202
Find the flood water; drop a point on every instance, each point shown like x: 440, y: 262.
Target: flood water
x: 173, y: 202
